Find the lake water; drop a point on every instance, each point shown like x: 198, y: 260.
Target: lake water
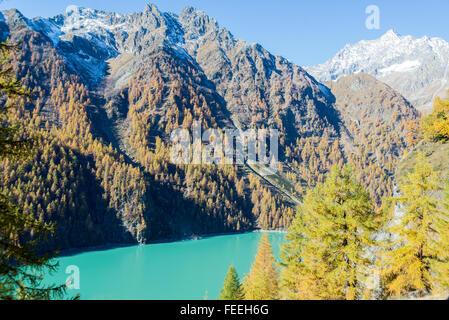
x: 190, y: 270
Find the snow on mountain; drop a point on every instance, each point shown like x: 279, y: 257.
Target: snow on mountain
x: 71, y: 8
x: 49, y: 28
x: 88, y: 38
x: 406, y: 66
x: 417, y: 68
x: 90, y: 20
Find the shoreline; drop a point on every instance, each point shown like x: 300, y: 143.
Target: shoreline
x: 74, y: 251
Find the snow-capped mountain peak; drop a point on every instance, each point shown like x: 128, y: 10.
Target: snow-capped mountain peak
x: 391, y: 35
x: 89, y: 38
x: 86, y: 20
x: 71, y: 8
x: 418, y: 68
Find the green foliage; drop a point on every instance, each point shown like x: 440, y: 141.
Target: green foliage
x: 416, y: 259
x: 21, y: 268
x: 436, y: 125
x: 325, y: 255
x: 232, y: 289
x: 12, y: 89
x: 262, y: 281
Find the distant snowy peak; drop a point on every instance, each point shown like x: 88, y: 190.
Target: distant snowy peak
x: 71, y: 9
x: 418, y: 68
x: 391, y: 35
x: 80, y: 20
x: 382, y: 55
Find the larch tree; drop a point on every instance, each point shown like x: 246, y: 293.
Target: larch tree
x: 441, y: 264
x: 232, y: 289
x: 436, y: 125
x: 416, y: 256
x: 21, y: 268
x: 262, y: 281
x: 326, y: 254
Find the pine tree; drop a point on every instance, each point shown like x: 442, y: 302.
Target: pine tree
x: 262, y: 281
x: 232, y: 289
x: 10, y: 88
x: 417, y: 250
x: 21, y: 268
x: 325, y: 254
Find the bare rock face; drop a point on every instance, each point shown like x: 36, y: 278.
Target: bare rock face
x: 256, y: 85
x: 106, y: 50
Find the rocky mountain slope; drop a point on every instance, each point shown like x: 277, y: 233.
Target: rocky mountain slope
x: 111, y: 88
x: 417, y: 68
x: 376, y: 119
x: 256, y: 85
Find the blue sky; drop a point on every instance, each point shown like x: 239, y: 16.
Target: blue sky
x: 305, y: 31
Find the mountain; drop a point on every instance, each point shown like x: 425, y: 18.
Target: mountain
x: 376, y: 119
x: 417, y: 68
x: 102, y: 46
x: 110, y: 89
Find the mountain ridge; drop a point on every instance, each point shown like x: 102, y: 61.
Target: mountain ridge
x: 112, y: 96
x: 417, y: 68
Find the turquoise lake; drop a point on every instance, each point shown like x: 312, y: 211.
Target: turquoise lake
x: 184, y: 270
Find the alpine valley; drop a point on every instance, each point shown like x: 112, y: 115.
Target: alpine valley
x: 110, y: 88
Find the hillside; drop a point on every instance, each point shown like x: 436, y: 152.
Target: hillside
x: 437, y: 154
x: 110, y: 89
x: 376, y: 119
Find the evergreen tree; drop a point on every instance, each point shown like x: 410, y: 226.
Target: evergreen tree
x: 232, y: 289
x: 21, y: 268
x: 325, y: 256
x: 262, y: 281
x: 10, y: 90
x: 417, y: 253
